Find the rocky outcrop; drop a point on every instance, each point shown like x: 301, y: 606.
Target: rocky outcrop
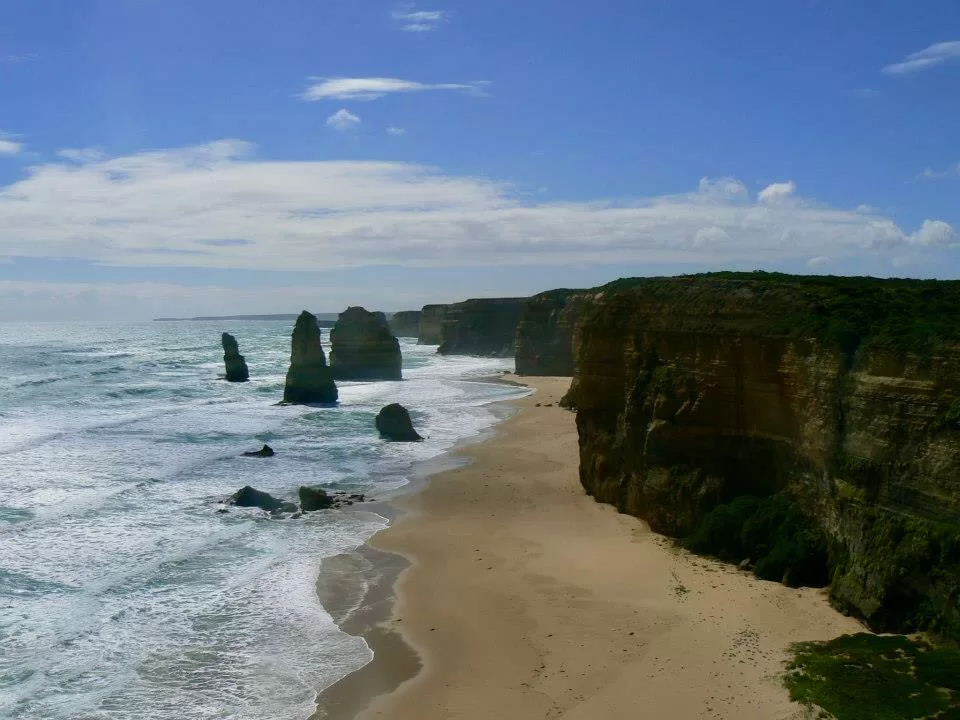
x: 394, y: 423
x: 309, y: 380
x: 264, y: 452
x: 314, y: 499
x: 251, y: 497
x: 405, y: 323
x: 363, y: 348
x: 235, y: 364
x: 431, y: 324
x: 486, y: 327
x: 545, y: 333
x: 836, y: 398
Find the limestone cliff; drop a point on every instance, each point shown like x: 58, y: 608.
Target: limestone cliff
x: 486, y: 327
x: 309, y: 380
x: 363, y: 348
x: 841, y: 395
x: 406, y: 323
x: 431, y: 324
x: 545, y: 333
x: 234, y: 362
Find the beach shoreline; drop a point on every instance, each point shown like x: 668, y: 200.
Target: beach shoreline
x: 513, y: 594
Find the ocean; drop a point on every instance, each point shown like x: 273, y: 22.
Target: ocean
x: 123, y: 592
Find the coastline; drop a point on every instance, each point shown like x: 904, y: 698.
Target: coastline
x: 516, y: 595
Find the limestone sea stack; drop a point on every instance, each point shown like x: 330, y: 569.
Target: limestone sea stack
x: 236, y: 366
x: 363, y: 348
x: 309, y: 380
x: 393, y: 422
x: 406, y: 323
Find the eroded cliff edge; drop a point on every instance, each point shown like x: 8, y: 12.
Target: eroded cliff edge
x: 841, y: 395
x: 484, y: 327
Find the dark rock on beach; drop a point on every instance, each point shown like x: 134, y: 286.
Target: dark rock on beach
x: 235, y: 364
x: 309, y: 380
x: 264, y: 452
x: 362, y: 347
x: 251, y: 497
x: 314, y: 499
x: 393, y: 422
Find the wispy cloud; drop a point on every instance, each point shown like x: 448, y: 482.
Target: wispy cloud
x: 343, y: 119
x: 396, y: 131
x: 413, y: 20
x: 371, y: 88
x: 81, y: 155
x: 163, y: 208
x: 865, y: 93
x: 949, y: 171
x: 936, y: 54
x: 17, y: 58
x: 10, y: 147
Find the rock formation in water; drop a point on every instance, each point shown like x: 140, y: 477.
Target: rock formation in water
x: 393, y: 422
x: 486, y: 327
x: 431, y: 324
x: 235, y: 364
x: 309, y: 380
x: 251, y: 497
x: 405, y: 323
x: 545, y: 333
x: 813, y: 421
x: 264, y: 452
x: 363, y: 348
x: 314, y: 499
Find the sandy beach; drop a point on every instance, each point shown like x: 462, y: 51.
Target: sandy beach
x: 526, y: 599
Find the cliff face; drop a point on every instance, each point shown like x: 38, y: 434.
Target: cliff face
x: 363, y: 348
x: 841, y: 394
x: 309, y: 380
x: 406, y: 323
x: 431, y: 324
x: 486, y: 327
x: 545, y: 333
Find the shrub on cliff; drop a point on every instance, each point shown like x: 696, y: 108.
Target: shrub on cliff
x: 772, y: 532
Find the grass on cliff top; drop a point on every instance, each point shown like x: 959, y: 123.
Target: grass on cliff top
x: 876, y: 677
x: 918, y: 315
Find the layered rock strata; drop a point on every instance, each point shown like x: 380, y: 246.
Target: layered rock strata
x: 309, y: 379
x: 363, y: 348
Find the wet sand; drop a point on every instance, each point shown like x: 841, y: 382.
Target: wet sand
x: 523, y: 598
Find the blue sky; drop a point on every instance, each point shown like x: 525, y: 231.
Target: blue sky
x: 164, y: 157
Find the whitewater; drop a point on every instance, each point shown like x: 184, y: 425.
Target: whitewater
x: 123, y: 592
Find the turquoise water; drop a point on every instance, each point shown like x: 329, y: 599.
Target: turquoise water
x: 123, y: 593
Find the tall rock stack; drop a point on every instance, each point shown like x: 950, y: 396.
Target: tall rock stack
x: 406, y: 323
x: 236, y: 366
x: 363, y: 348
x: 309, y: 380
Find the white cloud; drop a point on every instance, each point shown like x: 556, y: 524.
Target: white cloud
x: 818, y: 261
x: 371, y: 88
x: 218, y: 206
x: 413, y: 20
x: 396, y: 131
x: 777, y: 193
x: 931, y: 174
x: 81, y: 155
x: 10, y: 147
x: 929, y: 57
x: 343, y: 119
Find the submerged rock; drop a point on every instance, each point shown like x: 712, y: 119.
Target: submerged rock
x: 309, y: 380
x: 363, y: 348
x: 393, y: 422
x: 314, y: 499
x: 235, y: 364
x: 251, y: 497
x: 265, y: 451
